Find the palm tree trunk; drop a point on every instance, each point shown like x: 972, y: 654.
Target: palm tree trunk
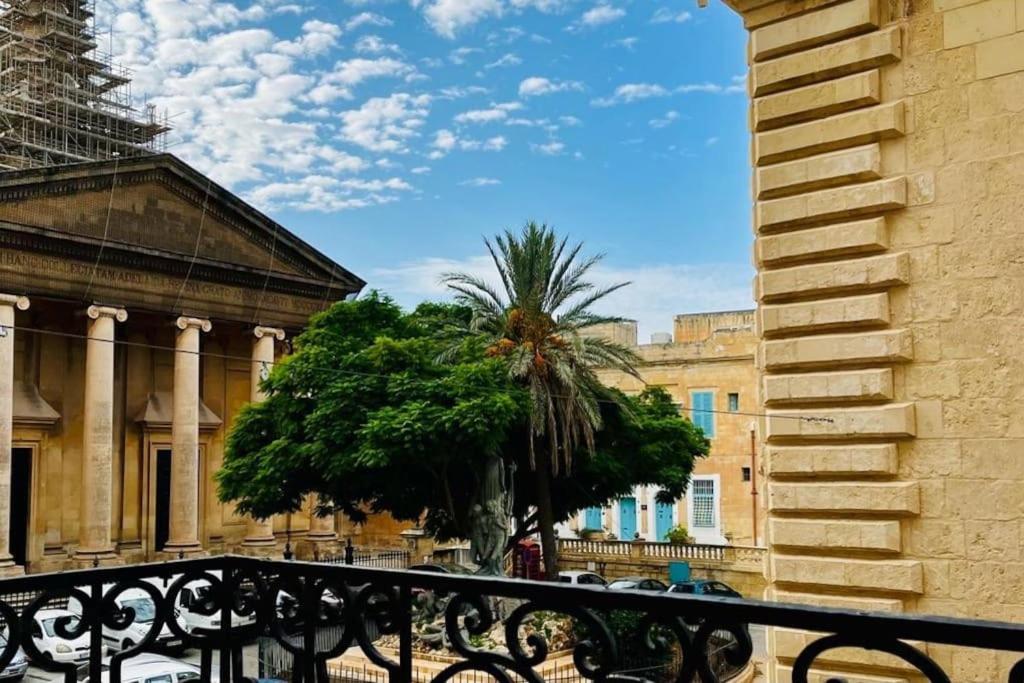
x: 546, y: 517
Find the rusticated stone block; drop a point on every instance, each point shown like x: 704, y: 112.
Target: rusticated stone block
x: 847, y: 460
x: 840, y: 387
x: 789, y: 643
x: 898, y: 576
x: 835, y: 534
x: 814, y: 28
x: 1000, y: 56
x: 835, y: 132
x: 827, y: 278
x: 826, y: 205
x: 817, y: 101
x: 820, y: 172
x: 896, y: 498
x: 830, y: 61
x: 888, y: 346
x: 784, y: 674
x: 840, y: 601
x: 860, y: 237
x: 870, y: 310
x: 895, y: 420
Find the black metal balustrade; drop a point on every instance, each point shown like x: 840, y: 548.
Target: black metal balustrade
x: 330, y: 607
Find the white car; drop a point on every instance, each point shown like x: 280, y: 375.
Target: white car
x: 192, y: 607
x: 44, y: 633
x: 579, y: 578
x: 149, y: 668
x: 141, y: 603
x: 15, y: 671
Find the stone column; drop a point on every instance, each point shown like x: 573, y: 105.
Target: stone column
x: 94, y: 543
x: 260, y: 532
x: 8, y: 304
x: 321, y: 529
x: 184, y: 527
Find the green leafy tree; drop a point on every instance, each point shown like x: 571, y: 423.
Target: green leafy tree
x: 535, y: 323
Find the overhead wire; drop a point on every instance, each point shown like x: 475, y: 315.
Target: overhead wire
x: 334, y: 370
x: 106, y: 228
x: 195, y: 252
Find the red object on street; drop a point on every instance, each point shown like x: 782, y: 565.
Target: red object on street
x: 526, y: 562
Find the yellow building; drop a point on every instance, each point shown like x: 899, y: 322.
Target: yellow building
x: 707, y: 365
x: 186, y: 295
x: 889, y: 195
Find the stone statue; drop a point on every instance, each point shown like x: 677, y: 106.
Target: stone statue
x: 489, y: 519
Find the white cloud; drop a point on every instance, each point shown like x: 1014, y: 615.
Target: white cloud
x: 317, y: 38
x: 711, y: 141
x: 375, y: 45
x: 386, y: 124
x: 628, y: 43
x: 657, y: 294
x: 550, y: 149
x: 631, y: 92
x: 480, y: 182
x: 570, y: 121
x: 445, y: 141
x: 420, y: 170
x: 665, y: 121
x: 459, y: 54
x: 327, y: 194
x: 496, y: 112
x: 546, y: 6
x: 506, y: 60
x: 535, y: 86
x: 367, y: 19
x: 459, y: 92
x: 448, y: 17
x: 665, y: 15
x: 597, y: 16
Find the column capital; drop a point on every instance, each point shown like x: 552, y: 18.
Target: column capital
x: 260, y: 332
x: 19, y: 302
x: 184, y: 322
x: 96, y: 312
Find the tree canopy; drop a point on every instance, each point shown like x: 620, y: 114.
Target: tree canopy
x: 364, y: 414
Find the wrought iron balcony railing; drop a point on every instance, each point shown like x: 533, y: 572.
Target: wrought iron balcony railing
x: 318, y: 612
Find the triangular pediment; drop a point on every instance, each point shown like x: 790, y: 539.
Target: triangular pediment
x: 159, y: 203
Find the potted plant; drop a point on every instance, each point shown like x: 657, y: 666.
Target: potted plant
x: 590, y: 534
x: 679, y: 535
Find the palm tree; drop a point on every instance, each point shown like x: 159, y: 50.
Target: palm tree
x: 536, y: 322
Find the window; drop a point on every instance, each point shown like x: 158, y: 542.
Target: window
x: 701, y: 406
x: 704, y: 503
x: 746, y: 474
x: 734, y: 403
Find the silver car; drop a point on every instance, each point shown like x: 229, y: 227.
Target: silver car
x: 15, y: 671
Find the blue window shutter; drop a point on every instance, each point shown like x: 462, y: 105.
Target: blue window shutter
x: 701, y: 414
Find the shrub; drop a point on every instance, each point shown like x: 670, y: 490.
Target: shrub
x: 679, y: 535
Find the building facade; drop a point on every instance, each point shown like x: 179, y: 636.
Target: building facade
x: 141, y: 305
x: 707, y: 365
x: 889, y: 189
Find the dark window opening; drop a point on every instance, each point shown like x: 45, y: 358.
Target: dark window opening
x: 734, y: 402
x: 163, y: 499
x: 746, y: 474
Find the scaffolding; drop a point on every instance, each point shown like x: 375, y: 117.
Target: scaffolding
x: 61, y: 99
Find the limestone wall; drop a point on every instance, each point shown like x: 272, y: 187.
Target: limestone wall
x: 888, y: 160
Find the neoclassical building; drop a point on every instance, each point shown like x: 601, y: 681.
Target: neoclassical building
x: 140, y: 304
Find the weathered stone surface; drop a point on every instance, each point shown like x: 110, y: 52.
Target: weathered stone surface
x: 829, y: 205
x: 833, y: 534
x: 840, y: 601
x: 860, y: 237
x: 827, y: 278
x: 861, y: 460
x: 830, y: 61
x: 895, y: 420
x: 789, y: 643
x: 889, y: 346
x: 978, y: 22
x: 898, y: 576
x: 871, y: 310
x: 784, y: 674
x: 820, y: 172
x: 816, y: 101
x: 835, y: 132
x: 896, y: 498
x: 839, y: 387
x: 1000, y: 56
x: 814, y: 28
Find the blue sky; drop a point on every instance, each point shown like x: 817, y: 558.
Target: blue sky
x: 394, y: 134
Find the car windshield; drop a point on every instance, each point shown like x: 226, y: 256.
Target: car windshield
x: 145, y: 610
x: 201, y: 591
x: 50, y: 625
x: 565, y: 579
x: 622, y: 584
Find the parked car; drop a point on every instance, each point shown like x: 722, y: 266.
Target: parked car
x: 15, y: 671
x: 52, y: 645
x: 442, y: 568
x: 637, y: 583
x: 197, y: 609
x: 141, y: 603
x: 704, y: 587
x: 580, y: 578
x: 149, y: 668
